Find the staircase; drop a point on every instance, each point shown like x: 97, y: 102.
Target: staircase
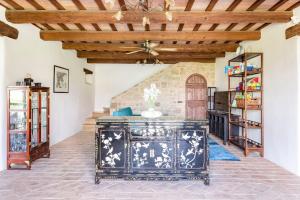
x: 90, y: 123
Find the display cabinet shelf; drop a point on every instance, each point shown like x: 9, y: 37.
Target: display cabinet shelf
x: 248, y: 107
x: 251, y: 145
x: 242, y: 91
x: 27, y: 125
x: 244, y: 57
x: 248, y: 124
x: 249, y: 73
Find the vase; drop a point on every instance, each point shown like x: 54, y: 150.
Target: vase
x: 151, y: 113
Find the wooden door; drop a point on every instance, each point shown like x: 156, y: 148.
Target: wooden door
x: 196, y: 97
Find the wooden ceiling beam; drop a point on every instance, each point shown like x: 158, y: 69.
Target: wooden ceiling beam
x: 90, y: 36
x: 144, y: 55
x: 133, y: 47
x: 8, y: 31
x: 292, y: 31
x: 132, y: 61
x: 191, y: 17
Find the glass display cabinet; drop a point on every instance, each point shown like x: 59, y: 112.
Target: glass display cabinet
x: 27, y: 125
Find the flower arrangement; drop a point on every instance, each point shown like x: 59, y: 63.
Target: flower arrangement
x: 151, y: 94
x: 150, y: 97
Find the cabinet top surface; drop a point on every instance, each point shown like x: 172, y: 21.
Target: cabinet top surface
x: 142, y: 119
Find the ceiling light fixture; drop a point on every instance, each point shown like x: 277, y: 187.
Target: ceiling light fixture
x: 149, y: 61
x: 145, y: 6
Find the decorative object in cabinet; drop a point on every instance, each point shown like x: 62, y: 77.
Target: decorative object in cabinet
x: 27, y: 125
x: 244, y: 98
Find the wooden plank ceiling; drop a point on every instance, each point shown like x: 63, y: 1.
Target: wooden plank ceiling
x: 201, y: 30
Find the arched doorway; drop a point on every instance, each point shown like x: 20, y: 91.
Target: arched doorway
x: 196, y: 97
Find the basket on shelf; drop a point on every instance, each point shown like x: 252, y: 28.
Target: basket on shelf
x: 250, y: 102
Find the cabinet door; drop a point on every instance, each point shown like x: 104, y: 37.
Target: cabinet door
x: 44, y: 117
x: 34, y: 119
x: 112, y: 148
x: 155, y: 155
x: 17, y: 122
x: 192, y: 149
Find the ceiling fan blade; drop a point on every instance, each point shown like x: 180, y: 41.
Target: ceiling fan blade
x: 152, y: 45
x: 132, y: 52
x: 166, y: 49
x: 154, y: 53
x: 126, y: 47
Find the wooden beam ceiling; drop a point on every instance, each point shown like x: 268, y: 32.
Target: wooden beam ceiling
x: 182, y: 17
x: 162, y: 47
x: 148, y: 35
x: 144, y: 55
x: 132, y: 61
x: 8, y: 31
x: 292, y: 31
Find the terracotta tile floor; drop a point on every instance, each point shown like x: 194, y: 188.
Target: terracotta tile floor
x: 69, y: 174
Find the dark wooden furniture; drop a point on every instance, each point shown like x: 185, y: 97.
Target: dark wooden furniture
x: 211, y: 97
x: 196, y: 97
x: 27, y: 125
x: 134, y: 148
x: 244, y: 140
x: 221, y: 101
x: 218, y: 125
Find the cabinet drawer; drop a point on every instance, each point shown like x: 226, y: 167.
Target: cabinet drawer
x: 152, y: 132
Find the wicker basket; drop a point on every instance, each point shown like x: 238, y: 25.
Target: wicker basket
x: 252, y: 102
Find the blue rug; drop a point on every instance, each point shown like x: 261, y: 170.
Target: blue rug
x: 217, y: 152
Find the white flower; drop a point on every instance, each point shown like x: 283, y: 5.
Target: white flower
x: 151, y: 94
x: 138, y: 145
x: 163, y: 145
x: 106, y: 141
x: 159, y: 159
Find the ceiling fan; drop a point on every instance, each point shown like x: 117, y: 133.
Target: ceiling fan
x: 151, y: 48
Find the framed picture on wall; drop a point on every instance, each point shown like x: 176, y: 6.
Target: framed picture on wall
x: 60, y: 80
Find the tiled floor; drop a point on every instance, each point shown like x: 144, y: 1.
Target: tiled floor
x: 69, y: 174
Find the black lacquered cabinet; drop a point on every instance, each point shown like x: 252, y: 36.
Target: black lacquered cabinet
x: 162, y: 149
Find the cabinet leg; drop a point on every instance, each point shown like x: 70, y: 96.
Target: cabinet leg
x: 97, y: 180
x: 206, y: 180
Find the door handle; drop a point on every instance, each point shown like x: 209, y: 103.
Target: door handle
x: 152, y: 154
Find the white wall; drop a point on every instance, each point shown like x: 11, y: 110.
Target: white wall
x: 29, y: 54
x: 112, y: 79
x: 281, y: 94
x: 2, y: 106
x: 298, y: 110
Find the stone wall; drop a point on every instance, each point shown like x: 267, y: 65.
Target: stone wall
x: 171, y: 83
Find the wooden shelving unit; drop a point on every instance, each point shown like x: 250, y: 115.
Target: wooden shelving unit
x: 242, y: 140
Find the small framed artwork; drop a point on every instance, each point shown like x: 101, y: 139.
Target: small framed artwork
x: 60, y: 80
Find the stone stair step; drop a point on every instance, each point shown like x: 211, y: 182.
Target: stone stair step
x: 99, y: 114
x: 88, y: 128
x: 90, y: 121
